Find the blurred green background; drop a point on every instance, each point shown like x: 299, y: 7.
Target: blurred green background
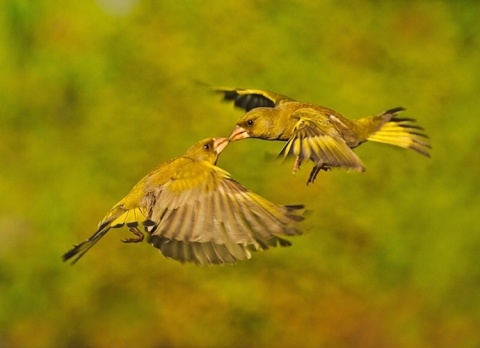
x: 94, y: 94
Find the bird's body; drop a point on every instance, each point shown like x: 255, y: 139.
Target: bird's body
x: 193, y: 211
x: 318, y: 133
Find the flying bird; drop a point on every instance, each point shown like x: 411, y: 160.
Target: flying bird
x: 318, y: 133
x: 193, y: 211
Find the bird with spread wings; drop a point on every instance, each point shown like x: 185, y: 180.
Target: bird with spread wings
x: 316, y: 133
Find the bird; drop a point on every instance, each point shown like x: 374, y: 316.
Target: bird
x: 193, y: 211
x: 318, y: 133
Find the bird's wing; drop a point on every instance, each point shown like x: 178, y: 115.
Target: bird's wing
x: 315, y: 138
x: 249, y: 99
x: 204, y: 216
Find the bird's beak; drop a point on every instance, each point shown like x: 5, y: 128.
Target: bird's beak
x: 219, y: 144
x: 238, y: 133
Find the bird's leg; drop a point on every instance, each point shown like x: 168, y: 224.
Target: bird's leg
x: 136, y: 232
x: 296, y: 164
x: 313, y: 174
x: 315, y: 170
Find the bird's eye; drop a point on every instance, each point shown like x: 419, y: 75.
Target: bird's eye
x: 249, y: 122
x: 206, y: 147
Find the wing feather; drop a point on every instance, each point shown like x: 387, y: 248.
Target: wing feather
x: 316, y: 139
x: 218, y: 221
x: 249, y: 99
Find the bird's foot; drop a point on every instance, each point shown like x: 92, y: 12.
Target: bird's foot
x: 139, y: 236
x: 296, y: 164
x: 316, y: 169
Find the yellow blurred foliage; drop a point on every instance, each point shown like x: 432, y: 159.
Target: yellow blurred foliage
x: 96, y: 93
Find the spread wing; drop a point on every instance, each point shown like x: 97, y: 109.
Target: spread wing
x: 315, y: 138
x: 212, y: 219
x: 249, y: 99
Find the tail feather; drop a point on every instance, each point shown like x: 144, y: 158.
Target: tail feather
x: 79, y: 250
x: 394, y: 111
x: 117, y: 217
x: 402, y: 132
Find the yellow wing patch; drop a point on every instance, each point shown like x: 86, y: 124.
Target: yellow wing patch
x: 132, y: 218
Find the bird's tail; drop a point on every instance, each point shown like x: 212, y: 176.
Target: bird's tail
x: 402, y: 132
x: 117, y: 217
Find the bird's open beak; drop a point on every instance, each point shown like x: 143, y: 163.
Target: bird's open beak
x: 238, y: 133
x: 220, y: 144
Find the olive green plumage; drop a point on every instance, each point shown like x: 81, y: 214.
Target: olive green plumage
x: 318, y: 133
x: 193, y: 211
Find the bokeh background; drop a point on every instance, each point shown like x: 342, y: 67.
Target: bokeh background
x: 94, y: 94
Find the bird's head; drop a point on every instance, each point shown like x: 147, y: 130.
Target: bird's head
x: 207, y: 149
x: 257, y: 123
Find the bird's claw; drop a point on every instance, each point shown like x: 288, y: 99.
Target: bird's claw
x: 139, y: 236
x: 316, y: 169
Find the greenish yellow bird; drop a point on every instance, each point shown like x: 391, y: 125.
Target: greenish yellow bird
x: 193, y: 211
x: 318, y: 133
